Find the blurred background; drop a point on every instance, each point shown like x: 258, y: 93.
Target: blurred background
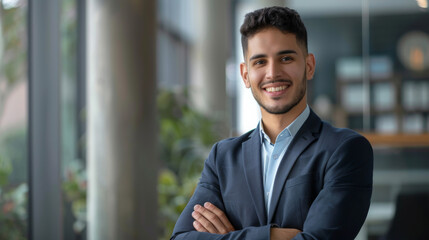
x: 73, y: 91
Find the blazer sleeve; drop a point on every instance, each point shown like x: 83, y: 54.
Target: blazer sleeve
x: 341, y: 207
x: 208, y: 190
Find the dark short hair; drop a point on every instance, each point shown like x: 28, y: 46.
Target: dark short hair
x: 284, y: 19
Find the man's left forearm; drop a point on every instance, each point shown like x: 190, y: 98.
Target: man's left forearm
x: 283, y: 233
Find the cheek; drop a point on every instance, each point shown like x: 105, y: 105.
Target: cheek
x: 255, y: 77
x: 297, y: 72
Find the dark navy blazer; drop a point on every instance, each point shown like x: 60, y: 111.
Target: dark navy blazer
x: 323, y: 185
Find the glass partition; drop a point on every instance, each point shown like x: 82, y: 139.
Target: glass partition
x: 73, y: 119
x: 13, y: 120
x: 372, y: 76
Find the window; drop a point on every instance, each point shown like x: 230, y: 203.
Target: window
x: 13, y: 120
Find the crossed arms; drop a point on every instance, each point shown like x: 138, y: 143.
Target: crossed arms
x: 337, y: 212
x: 210, y: 219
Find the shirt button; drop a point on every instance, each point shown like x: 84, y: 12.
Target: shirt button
x: 276, y: 156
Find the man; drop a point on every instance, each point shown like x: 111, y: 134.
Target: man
x: 294, y: 176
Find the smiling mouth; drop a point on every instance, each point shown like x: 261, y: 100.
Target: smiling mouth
x: 275, y: 89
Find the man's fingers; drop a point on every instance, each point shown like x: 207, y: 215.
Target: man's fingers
x: 221, y: 215
x: 202, y: 220
x: 210, y: 220
x: 199, y: 227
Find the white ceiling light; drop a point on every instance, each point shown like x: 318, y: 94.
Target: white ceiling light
x: 422, y: 3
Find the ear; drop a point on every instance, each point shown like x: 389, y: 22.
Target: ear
x: 310, y: 62
x: 244, y: 74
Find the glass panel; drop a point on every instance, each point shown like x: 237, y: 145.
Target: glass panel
x: 335, y: 37
x: 13, y: 120
x: 399, y: 82
x: 72, y: 122
x: 399, y: 46
x: 387, y: 43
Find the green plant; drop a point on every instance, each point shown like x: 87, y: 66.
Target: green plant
x: 185, y: 141
x: 5, y: 170
x: 173, y: 195
x: 75, y: 189
x: 13, y: 194
x: 13, y: 212
x: 186, y: 137
x: 13, y: 187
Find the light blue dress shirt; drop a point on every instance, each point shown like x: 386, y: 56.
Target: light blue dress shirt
x: 272, y: 154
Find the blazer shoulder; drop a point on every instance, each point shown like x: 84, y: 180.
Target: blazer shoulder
x: 234, y: 142
x: 228, y: 150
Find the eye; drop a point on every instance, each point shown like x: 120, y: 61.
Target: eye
x: 259, y: 62
x: 286, y: 59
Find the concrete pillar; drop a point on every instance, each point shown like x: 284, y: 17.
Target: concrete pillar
x: 121, y: 126
x: 208, y: 61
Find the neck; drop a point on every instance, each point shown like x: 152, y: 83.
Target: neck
x: 275, y: 123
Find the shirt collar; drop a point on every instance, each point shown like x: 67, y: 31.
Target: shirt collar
x: 290, y: 130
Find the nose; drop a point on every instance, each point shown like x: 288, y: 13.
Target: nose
x: 273, y: 71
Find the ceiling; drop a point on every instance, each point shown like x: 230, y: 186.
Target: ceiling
x: 341, y: 7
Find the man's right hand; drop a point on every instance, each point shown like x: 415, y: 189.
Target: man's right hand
x: 209, y: 218
x: 283, y: 233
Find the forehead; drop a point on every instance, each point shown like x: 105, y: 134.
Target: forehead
x: 270, y: 41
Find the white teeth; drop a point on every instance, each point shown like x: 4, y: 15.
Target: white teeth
x: 275, y: 89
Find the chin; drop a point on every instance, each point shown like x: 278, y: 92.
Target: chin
x: 284, y: 108
x: 278, y: 110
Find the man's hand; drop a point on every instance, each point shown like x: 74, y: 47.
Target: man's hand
x: 283, y: 233
x: 211, y: 219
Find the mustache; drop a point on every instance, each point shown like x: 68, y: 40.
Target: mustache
x: 275, y: 81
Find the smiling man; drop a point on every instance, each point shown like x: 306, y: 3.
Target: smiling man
x: 293, y: 176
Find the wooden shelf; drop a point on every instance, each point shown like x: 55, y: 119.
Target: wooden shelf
x: 391, y: 78
x: 398, y: 140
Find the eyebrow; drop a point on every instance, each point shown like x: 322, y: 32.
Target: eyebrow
x: 279, y: 53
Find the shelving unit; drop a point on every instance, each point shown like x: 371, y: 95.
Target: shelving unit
x: 399, y: 102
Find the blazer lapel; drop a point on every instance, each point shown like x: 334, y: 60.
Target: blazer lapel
x: 253, y: 172
x: 304, y: 137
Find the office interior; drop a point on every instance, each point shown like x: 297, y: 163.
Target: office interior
x: 115, y: 105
